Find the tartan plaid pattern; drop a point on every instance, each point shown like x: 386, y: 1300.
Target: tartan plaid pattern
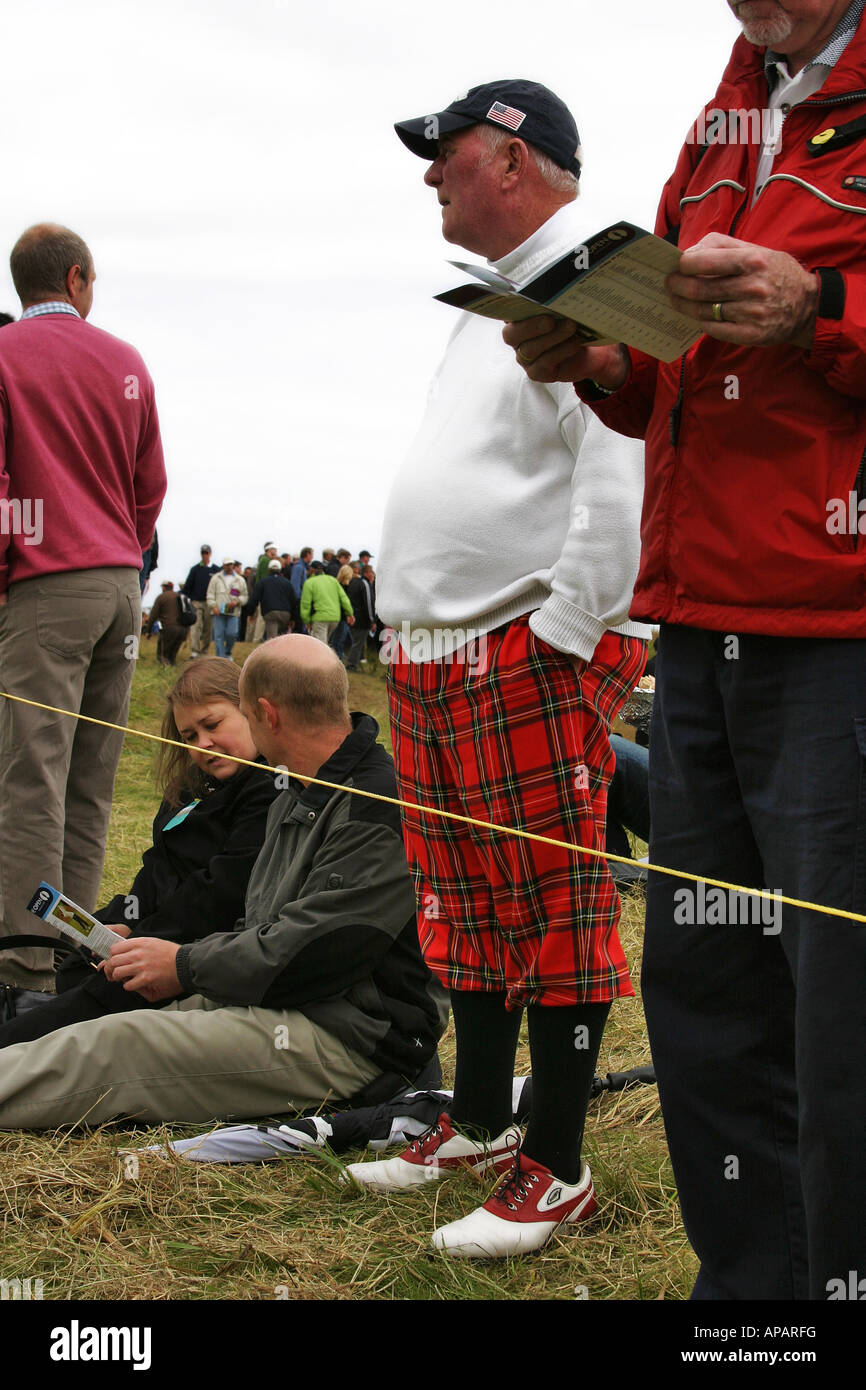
x: 518, y: 740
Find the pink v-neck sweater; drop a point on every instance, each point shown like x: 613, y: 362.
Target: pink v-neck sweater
x: 82, y: 475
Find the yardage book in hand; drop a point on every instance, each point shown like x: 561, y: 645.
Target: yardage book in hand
x: 612, y: 286
x: 72, y: 921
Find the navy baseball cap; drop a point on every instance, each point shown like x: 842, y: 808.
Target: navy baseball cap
x: 526, y: 108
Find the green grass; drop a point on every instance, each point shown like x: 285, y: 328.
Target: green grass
x: 289, y: 1230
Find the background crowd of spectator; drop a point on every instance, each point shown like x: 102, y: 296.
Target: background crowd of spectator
x: 332, y: 599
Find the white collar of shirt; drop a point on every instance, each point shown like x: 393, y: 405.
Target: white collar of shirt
x: 552, y: 239
x: 787, y: 91
x: 52, y: 306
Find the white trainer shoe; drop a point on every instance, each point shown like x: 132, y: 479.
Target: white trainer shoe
x: 522, y: 1214
x: 435, y: 1154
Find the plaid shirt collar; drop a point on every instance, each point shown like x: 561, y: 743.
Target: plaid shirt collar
x: 832, y: 50
x: 62, y: 306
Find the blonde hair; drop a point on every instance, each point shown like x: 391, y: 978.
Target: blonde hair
x: 208, y: 678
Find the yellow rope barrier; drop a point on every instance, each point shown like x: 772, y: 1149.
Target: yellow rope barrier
x: 455, y: 816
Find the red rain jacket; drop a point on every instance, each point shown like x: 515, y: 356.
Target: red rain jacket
x: 756, y: 457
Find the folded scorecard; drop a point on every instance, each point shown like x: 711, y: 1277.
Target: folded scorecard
x: 612, y: 287
x: 72, y: 921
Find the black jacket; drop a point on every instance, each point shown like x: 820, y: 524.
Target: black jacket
x: 361, y: 599
x: 195, y: 586
x: 329, y: 926
x: 193, y: 879
x: 274, y: 593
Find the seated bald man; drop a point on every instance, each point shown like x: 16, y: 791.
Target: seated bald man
x: 318, y: 993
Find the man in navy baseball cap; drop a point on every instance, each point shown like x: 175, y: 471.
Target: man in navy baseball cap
x: 527, y: 108
x: 507, y: 661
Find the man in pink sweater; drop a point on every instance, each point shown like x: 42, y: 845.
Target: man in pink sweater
x: 82, y: 479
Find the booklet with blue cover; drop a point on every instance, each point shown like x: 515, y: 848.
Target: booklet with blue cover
x: 72, y: 921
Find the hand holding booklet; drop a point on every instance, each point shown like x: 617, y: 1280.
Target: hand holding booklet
x: 612, y: 286
x: 72, y: 921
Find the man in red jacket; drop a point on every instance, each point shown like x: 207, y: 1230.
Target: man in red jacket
x: 754, y: 563
x: 82, y: 480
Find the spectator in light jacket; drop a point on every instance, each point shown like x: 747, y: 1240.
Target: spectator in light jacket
x: 226, y: 595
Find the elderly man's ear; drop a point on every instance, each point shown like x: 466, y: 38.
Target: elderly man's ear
x: 518, y: 160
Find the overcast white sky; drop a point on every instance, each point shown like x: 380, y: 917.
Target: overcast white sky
x: 266, y: 242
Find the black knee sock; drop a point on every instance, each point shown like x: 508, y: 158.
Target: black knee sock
x: 486, y: 1044
x: 563, y: 1045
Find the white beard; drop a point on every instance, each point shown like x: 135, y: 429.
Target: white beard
x: 766, y: 33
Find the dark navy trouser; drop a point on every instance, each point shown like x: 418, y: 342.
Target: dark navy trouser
x: 628, y: 796
x: 758, y: 776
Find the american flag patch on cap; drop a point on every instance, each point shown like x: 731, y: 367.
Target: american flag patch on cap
x: 506, y: 115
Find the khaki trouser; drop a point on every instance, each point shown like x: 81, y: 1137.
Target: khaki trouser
x: 192, y: 1061
x: 200, y: 633
x: 277, y: 623
x: 69, y: 640
x: 323, y: 631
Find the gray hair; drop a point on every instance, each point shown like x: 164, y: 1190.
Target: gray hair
x: 557, y: 179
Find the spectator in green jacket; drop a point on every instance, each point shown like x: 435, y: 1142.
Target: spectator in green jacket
x: 323, y: 600
x: 269, y: 553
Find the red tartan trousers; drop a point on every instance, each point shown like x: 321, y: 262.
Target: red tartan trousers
x: 510, y: 731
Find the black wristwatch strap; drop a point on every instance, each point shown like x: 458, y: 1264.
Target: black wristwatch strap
x: 831, y: 301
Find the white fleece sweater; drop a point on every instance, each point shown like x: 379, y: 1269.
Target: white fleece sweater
x: 513, y: 498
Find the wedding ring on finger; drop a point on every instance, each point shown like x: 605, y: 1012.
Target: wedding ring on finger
x: 717, y: 313
x: 524, y: 361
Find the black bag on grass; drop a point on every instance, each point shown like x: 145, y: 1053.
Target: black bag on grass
x: 40, y: 943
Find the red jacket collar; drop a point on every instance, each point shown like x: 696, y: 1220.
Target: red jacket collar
x: 743, y: 79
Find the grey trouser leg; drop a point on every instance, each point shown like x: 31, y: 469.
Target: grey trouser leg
x: 69, y: 640
x: 200, y: 633
x: 190, y: 1062
x: 195, y: 632
x: 276, y: 623
x: 356, y: 650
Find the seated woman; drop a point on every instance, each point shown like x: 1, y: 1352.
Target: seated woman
x: 206, y: 836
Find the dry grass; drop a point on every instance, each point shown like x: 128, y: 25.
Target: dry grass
x: 288, y: 1229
